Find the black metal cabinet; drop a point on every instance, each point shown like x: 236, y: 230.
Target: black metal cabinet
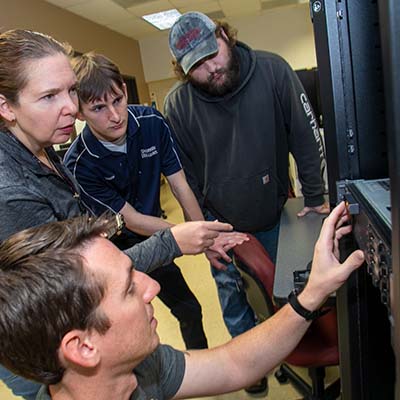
x: 360, y: 94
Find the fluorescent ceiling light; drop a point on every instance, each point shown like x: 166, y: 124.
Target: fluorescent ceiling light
x: 164, y: 19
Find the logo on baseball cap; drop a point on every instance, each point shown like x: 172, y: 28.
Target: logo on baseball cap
x: 192, y: 38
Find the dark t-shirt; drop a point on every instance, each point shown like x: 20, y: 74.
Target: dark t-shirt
x: 159, y: 376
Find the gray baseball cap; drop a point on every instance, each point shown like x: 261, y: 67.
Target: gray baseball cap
x: 191, y: 38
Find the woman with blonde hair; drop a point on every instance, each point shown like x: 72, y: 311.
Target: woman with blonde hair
x: 38, y: 107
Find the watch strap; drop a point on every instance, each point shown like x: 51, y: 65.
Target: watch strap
x: 306, y: 314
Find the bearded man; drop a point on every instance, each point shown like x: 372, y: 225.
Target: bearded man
x: 236, y: 114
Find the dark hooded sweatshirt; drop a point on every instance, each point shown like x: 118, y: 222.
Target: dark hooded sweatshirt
x: 235, y: 148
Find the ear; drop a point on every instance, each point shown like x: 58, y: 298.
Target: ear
x: 224, y: 35
x: 78, y: 348
x: 80, y: 116
x: 125, y: 90
x: 6, y: 111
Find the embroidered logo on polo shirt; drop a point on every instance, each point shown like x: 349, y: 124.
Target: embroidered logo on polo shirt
x: 150, y: 152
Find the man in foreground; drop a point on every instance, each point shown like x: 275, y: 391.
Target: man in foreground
x: 69, y: 299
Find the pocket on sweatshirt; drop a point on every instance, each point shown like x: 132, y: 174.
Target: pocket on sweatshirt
x: 248, y: 203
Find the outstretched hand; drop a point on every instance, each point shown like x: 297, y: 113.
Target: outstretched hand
x: 223, y: 243
x: 327, y: 273
x: 322, y: 209
x: 197, y: 236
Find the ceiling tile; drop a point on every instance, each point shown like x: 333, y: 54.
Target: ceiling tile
x: 206, y: 7
x: 103, y: 12
x: 268, y: 5
x: 67, y: 3
x: 150, y: 7
x: 193, y: 4
x: 129, y: 3
x: 135, y: 28
x: 217, y: 15
x: 123, y: 15
x: 239, y: 7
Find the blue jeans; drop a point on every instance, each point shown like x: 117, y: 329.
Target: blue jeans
x: 236, y: 311
x: 19, y: 386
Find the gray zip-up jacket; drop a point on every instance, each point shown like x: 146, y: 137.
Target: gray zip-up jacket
x: 32, y: 195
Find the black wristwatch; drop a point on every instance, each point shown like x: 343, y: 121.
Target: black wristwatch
x: 306, y: 314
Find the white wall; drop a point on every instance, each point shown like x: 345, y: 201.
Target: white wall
x: 286, y: 31
x: 156, y: 58
x: 82, y: 34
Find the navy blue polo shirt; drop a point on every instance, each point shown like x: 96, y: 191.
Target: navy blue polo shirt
x: 108, y: 178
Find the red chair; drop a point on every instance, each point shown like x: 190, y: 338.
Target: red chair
x: 319, y: 346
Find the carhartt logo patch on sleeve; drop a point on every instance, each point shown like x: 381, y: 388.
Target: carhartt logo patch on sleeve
x: 265, y: 179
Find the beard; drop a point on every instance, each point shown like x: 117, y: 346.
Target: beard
x: 231, y: 79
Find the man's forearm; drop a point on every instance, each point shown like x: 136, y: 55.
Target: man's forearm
x: 263, y: 348
x: 148, y: 225
x: 247, y: 357
x: 189, y: 205
x: 142, y: 224
x: 185, y: 196
x: 191, y: 210
x: 159, y: 249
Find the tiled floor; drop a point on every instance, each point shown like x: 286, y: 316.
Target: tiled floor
x: 197, y: 273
